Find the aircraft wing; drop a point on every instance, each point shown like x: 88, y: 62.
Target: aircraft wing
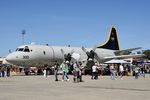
x: 124, y: 56
x: 126, y: 51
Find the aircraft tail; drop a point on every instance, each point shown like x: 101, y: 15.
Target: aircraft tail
x: 112, y: 43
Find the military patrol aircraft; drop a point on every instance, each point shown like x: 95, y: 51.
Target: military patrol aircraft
x: 38, y: 55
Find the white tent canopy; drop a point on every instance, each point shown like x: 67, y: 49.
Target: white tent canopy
x: 116, y: 61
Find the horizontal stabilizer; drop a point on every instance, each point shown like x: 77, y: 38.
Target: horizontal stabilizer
x: 124, y: 56
x: 126, y: 51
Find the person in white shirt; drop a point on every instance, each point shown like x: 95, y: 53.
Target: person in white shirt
x: 94, y: 71
x: 136, y: 70
x: 45, y: 72
x: 121, y: 69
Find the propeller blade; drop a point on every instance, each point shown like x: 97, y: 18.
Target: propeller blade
x: 62, y: 51
x: 83, y: 49
x: 96, y: 56
x: 94, y: 48
x: 9, y: 51
x: 76, y: 56
x: 72, y: 51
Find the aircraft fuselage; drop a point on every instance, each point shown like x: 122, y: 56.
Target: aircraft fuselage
x: 38, y: 55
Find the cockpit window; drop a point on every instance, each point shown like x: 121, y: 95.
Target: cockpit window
x: 20, y: 49
x: 26, y: 49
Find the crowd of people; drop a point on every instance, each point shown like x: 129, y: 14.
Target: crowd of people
x: 77, y: 70
x: 114, y: 70
x: 127, y: 70
x: 66, y: 67
x: 4, y: 71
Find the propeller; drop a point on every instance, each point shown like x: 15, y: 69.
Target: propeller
x: 94, y: 48
x: 9, y: 50
x: 76, y: 56
x: 68, y: 56
x: 91, y: 54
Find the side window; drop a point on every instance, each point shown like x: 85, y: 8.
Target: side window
x: 26, y: 49
x: 44, y: 52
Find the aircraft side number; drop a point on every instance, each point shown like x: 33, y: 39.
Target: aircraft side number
x: 25, y: 57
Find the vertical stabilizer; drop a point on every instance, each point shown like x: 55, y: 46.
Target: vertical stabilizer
x: 112, y: 43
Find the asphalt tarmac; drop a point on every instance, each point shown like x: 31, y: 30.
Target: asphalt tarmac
x: 41, y: 88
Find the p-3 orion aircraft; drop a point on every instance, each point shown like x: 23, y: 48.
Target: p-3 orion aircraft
x: 38, y: 55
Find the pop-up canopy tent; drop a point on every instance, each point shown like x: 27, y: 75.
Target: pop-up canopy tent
x: 115, y: 61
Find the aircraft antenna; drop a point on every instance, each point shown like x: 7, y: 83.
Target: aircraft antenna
x: 23, y: 34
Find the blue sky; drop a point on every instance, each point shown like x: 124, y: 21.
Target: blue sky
x: 73, y: 22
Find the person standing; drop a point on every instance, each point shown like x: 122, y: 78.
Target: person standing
x: 8, y: 71
x: 94, y: 72
x: 136, y: 70
x: 56, y: 67
x: 143, y: 71
x: 112, y: 71
x: 2, y: 71
x: 64, y: 67
x: 45, y: 70
x: 76, y: 72
x: 121, y: 70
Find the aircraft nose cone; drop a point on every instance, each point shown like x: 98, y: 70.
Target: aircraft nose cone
x: 10, y: 58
